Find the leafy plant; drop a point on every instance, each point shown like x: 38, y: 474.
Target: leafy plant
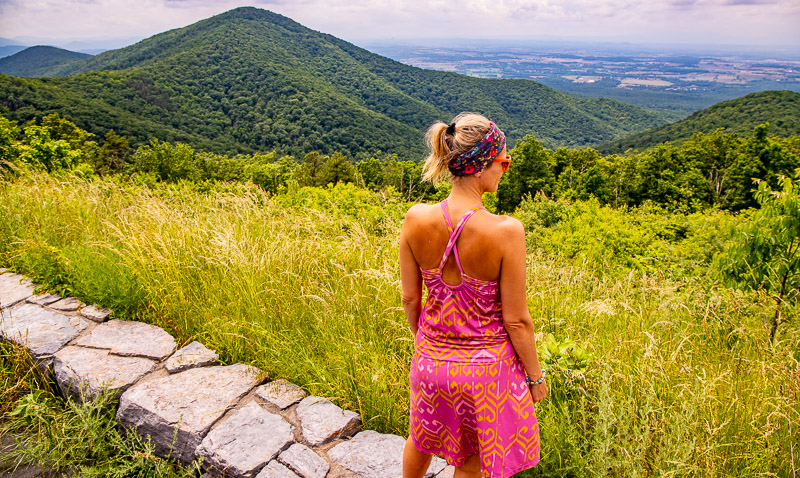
x: 567, y: 364
x: 539, y: 214
x: 763, y: 254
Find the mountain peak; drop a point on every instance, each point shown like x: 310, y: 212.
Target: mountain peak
x: 258, y: 15
x: 225, y: 34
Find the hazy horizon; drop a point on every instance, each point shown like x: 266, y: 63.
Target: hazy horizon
x: 97, y: 45
x: 681, y: 24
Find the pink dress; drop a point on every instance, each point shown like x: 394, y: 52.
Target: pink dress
x: 468, y: 391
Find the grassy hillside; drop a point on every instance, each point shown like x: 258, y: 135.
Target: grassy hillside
x: 666, y: 345
x: 780, y: 108
x: 650, y: 375
x: 250, y: 80
x: 38, y: 61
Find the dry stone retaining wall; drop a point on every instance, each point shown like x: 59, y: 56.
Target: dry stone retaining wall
x: 187, y: 404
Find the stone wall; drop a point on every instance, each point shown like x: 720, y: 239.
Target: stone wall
x: 188, y: 404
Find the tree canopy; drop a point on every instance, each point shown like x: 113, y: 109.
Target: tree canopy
x: 780, y: 108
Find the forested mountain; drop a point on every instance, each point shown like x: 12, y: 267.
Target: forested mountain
x: 250, y: 79
x: 781, y: 109
x: 38, y: 61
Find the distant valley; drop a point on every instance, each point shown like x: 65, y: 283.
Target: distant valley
x: 679, y: 81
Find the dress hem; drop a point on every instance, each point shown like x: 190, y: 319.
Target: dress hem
x: 511, y: 472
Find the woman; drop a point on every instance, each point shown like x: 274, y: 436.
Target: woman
x: 475, y: 374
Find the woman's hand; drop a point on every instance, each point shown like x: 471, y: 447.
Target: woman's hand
x: 538, y: 391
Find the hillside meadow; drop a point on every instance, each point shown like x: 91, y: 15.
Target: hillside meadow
x: 663, y: 285
x: 654, y: 371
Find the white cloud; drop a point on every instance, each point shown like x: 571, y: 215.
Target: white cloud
x: 708, y: 21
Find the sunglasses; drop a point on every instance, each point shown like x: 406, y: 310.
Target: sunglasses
x: 504, y: 162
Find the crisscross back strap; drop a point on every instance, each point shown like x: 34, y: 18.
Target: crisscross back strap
x: 446, y: 214
x: 454, y: 234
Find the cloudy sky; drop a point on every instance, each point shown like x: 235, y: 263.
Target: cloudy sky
x: 712, y: 22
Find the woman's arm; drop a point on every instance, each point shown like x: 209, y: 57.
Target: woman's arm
x: 516, y: 317
x: 410, y: 276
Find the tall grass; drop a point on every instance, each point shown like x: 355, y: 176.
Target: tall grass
x: 72, y: 437
x: 305, y: 286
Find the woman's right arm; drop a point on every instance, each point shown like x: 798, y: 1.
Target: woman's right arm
x: 516, y: 317
x: 410, y: 276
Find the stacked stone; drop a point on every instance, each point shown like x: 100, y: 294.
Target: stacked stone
x: 189, y: 406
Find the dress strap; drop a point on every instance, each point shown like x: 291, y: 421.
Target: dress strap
x: 454, y: 235
x: 446, y: 214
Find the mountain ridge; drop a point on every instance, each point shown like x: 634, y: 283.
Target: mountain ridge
x: 38, y: 60
x: 250, y: 79
x: 780, y: 108
x: 8, y: 50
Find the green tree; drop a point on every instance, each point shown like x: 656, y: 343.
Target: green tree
x: 371, y: 172
x: 569, y: 166
x: 337, y: 169
x: 664, y: 177
x: 60, y: 129
x: 269, y: 173
x: 56, y: 144
x: 763, y: 254
x: 406, y: 178
x: 112, y: 154
x: 38, y: 149
x: 168, y: 162
x: 619, y: 185
x: 532, y: 170
x: 774, y: 159
x: 9, y: 142
x: 719, y: 157
x: 283, y: 171
x: 219, y: 167
x: 308, y: 174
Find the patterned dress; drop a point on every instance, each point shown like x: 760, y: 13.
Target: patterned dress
x: 468, y: 391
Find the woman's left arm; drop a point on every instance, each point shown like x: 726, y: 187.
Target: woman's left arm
x: 410, y: 277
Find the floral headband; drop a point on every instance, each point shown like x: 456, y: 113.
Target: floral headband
x: 480, y: 155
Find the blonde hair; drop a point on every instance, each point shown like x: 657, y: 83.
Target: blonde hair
x: 470, y: 128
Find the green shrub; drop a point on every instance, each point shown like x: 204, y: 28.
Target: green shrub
x: 168, y: 162
x: 762, y: 256
x: 647, y: 238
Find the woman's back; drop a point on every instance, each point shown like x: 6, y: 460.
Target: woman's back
x: 462, y: 319
x: 478, y: 245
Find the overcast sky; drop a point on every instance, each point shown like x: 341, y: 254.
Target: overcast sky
x: 715, y: 22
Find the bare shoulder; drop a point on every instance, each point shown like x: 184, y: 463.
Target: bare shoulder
x: 506, y: 233
x: 508, y: 227
x: 418, y: 212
